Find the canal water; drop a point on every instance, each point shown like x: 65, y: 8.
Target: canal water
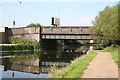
x: 37, y: 64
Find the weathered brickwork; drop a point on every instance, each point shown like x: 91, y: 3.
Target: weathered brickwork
x: 66, y: 30
x: 2, y: 37
x: 34, y: 33
x: 31, y: 33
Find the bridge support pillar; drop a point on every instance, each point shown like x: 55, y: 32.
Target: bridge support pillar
x: 6, y: 37
x: 62, y: 42
x: 91, y: 46
x: 91, y: 41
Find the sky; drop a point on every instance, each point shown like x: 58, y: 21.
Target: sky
x: 71, y: 13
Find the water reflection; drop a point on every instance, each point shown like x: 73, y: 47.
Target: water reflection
x: 34, y: 63
x: 38, y: 62
x: 9, y: 75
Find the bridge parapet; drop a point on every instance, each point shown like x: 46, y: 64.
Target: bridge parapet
x: 65, y: 30
x: 24, y: 30
x: 31, y: 33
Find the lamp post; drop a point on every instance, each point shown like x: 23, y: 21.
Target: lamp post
x: 14, y: 22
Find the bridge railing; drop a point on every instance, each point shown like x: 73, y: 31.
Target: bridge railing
x: 65, y: 30
x: 24, y: 30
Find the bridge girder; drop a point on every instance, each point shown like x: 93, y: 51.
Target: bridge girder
x: 67, y: 36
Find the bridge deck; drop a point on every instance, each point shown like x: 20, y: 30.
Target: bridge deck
x: 65, y: 30
x: 66, y: 36
x: 81, y: 33
x: 49, y: 32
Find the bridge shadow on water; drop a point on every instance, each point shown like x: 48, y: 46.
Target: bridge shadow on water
x: 57, y: 53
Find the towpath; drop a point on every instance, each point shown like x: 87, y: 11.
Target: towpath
x: 102, y: 66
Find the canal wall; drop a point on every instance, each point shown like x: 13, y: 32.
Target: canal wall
x: 2, y: 37
x: 31, y: 33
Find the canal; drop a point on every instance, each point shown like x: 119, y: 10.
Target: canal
x: 38, y: 64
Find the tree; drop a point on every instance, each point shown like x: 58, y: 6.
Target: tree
x: 106, y: 25
x: 34, y: 25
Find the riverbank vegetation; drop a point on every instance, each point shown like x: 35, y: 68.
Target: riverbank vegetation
x: 62, y: 51
x: 24, y: 56
x: 106, y: 28
x: 18, y: 48
x: 75, y: 69
x: 20, y: 45
x: 25, y: 45
x: 18, y: 40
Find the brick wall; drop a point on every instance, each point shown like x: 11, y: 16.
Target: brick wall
x: 31, y: 33
x: 2, y: 37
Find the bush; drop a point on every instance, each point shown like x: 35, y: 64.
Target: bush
x: 21, y: 44
x: 17, y: 53
x: 34, y: 25
x: 98, y: 47
x: 17, y: 40
x: 17, y: 47
x: 114, y: 46
x: 36, y: 45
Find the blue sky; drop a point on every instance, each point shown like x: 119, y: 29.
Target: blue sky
x: 70, y: 13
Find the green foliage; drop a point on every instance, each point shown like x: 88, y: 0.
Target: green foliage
x: 34, y: 25
x: 17, y: 40
x: 108, y: 49
x: 98, y: 47
x: 24, y: 56
x: 115, y: 56
x: 85, y: 42
x: 36, y: 45
x: 21, y: 44
x: 106, y: 25
x: 74, y: 70
x: 114, y: 46
x: 22, y: 34
x: 111, y: 48
x: 17, y: 53
x: 17, y: 47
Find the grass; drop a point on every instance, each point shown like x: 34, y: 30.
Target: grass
x: 108, y: 49
x: 115, y: 56
x: 75, y: 69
